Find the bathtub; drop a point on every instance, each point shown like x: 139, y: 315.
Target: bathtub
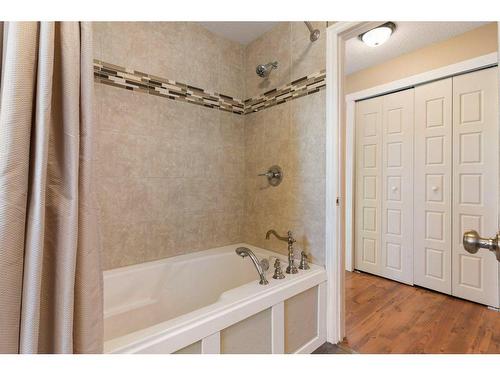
x: 211, y: 302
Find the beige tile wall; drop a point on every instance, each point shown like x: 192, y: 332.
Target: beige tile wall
x: 289, y: 44
x: 175, y: 177
x: 291, y: 135
x: 182, y: 51
x: 170, y: 174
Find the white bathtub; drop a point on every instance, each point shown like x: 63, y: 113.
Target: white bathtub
x: 197, y: 302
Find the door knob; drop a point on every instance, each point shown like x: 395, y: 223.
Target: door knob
x: 473, y: 242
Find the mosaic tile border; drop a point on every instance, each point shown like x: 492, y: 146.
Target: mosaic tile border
x: 118, y: 76
x: 300, y: 87
x: 130, y: 79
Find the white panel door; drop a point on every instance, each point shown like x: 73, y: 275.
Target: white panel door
x: 368, y: 185
x: 433, y: 177
x: 475, y: 183
x: 397, y: 186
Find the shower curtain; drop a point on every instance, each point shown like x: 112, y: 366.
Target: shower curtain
x: 50, y: 272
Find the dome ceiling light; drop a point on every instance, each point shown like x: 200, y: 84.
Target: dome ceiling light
x: 379, y: 35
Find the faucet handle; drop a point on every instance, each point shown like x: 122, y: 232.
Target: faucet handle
x: 303, y: 261
x: 278, y: 272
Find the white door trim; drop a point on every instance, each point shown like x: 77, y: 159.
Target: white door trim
x: 461, y: 67
x: 334, y: 260
x: 335, y: 236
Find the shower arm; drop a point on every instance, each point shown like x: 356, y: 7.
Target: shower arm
x: 309, y: 26
x: 273, y: 65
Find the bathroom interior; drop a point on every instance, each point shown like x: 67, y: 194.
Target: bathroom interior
x: 189, y: 124
x: 208, y: 181
x: 197, y: 221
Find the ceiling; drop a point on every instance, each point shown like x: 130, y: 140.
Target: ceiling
x: 241, y: 32
x: 408, y: 37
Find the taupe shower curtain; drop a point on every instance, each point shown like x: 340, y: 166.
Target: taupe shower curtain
x: 50, y: 273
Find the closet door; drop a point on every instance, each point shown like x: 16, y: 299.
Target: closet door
x: 475, y: 182
x: 433, y: 183
x: 397, y: 186
x: 368, y: 185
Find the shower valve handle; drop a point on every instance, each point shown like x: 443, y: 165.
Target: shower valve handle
x: 274, y: 175
x: 268, y: 174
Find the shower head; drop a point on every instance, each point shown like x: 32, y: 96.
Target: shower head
x: 263, y: 70
x: 314, y: 33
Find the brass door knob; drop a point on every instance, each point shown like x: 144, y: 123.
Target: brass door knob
x: 473, y: 242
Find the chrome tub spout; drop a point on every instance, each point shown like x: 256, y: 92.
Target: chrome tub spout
x: 292, y: 268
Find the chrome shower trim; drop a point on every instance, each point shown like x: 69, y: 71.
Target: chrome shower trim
x: 292, y: 268
x: 263, y: 70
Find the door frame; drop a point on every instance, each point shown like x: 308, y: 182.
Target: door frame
x: 339, y: 150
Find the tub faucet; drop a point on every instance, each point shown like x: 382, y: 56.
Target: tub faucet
x: 292, y: 268
x: 261, y: 266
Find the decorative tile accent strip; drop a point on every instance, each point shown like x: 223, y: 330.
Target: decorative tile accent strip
x: 118, y: 76
x: 129, y: 79
x: 298, y: 88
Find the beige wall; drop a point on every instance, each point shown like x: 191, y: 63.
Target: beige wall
x: 291, y: 135
x: 182, y: 51
x: 175, y: 177
x: 252, y: 335
x: 170, y: 174
x: 477, y: 42
x: 301, y: 319
x: 289, y: 44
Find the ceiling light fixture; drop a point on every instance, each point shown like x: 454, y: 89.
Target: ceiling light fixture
x: 379, y: 35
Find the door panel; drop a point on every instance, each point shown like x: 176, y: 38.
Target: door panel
x: 384, y: 186
x: 433, y: 175
x: 450, y: 147
x: 368, y: 185
x: 397, y: 186
x: 475, y: 183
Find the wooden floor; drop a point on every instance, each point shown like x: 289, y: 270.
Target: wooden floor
x: 383, y: 316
